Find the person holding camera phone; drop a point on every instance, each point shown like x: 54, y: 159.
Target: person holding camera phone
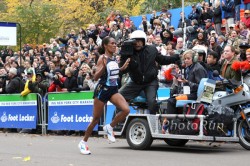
x: 107, y: 72
x: 84, y: 75
x: 143, y: 70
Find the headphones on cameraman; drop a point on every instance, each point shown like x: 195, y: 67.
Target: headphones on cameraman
x: 195, y: 56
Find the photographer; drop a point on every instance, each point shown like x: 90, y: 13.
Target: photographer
x: 15, y: 84
x: 152, y: 18
x: 82, y: 74
x: 145, y: 25
x: 89, y: 83
x: 142, y: 69
x: 58, y: 79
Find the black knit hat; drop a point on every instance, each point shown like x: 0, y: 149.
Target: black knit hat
x: 57, y: 71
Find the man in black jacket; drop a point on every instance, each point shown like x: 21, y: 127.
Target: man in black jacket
x: 15, y: 84
x: 143, y: 70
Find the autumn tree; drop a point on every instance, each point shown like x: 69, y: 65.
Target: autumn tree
x: 43, y: 19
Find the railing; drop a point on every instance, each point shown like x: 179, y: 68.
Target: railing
x: 55, y: 111
x: 20, y: 112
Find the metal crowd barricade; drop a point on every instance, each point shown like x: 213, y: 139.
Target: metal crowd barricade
x: 67, y: 111
x: 20, y: 111
x: 54, y: 111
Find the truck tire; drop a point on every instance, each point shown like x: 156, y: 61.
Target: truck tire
x: 138, y: 134
x: 176, y: 142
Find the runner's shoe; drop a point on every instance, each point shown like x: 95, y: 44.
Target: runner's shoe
x: 84, y: 149
x: 109, y: 130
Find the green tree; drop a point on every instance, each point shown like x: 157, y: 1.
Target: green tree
x: 39, y: 21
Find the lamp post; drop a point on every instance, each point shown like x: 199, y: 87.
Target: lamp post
x: 20, y: 39
x: 184, y: 26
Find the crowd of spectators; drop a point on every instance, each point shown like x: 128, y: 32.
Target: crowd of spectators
x: 68, y: 63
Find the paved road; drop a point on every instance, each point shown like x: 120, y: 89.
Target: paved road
x: 63, y: 151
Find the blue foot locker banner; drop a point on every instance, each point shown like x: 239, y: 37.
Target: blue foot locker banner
x: 70, y: 111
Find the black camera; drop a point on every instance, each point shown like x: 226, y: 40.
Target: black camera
x: 127, y: 47
x: 89, y: 73
x: 55, y: 77
x: 4, y: 76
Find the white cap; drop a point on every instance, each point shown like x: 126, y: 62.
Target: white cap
x: 13, y: 71
x: 213, y: 31
x: 232, y: 25
x: 138, y: 34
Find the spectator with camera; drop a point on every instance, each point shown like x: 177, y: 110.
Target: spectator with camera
x: 50, y: 75
x: 58, y: 80
x: 142, y: 69
x: 165, y: 20
x: 153, y: 16
x: 70, y: 83
x: 206, y: 13
x: 145, y: 25
x: 194, y: 14
x: 83, y: 72
x: 158, y: 27
x: 89, y: 83
x: 92, y: 32
x: 208, y: 28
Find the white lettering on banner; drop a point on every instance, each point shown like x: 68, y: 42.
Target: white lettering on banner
x: 70, y: 102
x: 71, y: 118
x: 67, y: 118
x: 26, y: 118
x: 18, y: 103
x: 12, y: 118
x: 17, y: 118
x: 83, y: 119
